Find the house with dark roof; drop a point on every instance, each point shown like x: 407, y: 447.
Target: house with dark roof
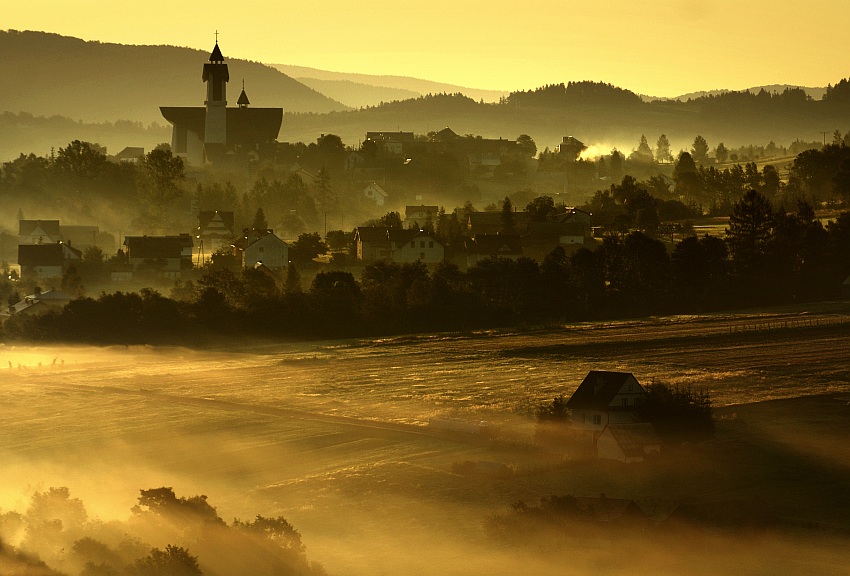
x: 165, y: 255
x: 216, y: 133
x: 130, y: 154
x: 628, y: 442
x: 46, y: 261
x: 417, y: 216
x: 37, y: 303
x: 605, y: 398
x: 397, y: 245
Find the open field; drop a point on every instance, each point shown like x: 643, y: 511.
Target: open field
x: 334, y: 435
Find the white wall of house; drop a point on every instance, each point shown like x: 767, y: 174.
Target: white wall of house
x: 270, y: 250
x: 422, y: 248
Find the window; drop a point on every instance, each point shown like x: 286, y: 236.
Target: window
x: 597, y: 419
x: 431, y: 244
x: 422, y: 255
x: 422, y: 244
x: 625, y: 401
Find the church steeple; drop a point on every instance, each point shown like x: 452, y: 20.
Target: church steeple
x: 243, y: 98
x: 216, y: 76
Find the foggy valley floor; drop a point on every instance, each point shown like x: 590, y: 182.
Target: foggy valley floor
x: 334, y: 436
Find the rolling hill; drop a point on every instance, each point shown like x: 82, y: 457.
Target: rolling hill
x: 47, y: 74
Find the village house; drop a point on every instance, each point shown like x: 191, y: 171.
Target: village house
x: 46, y: 261
x: 37, y: 303
x: 604, y: 411
x: 264, y: 248
x: 39, y: 232
x: 417, y: 216
x: 374, y: 192
x: 165, y: 255
x: 130, y: 155
x: 397, y: 245
x: 214, y: 231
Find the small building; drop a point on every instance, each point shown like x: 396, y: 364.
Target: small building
x: 265, y: 249
x: 215, y: 230
x: 372, y: 243
x: 605, y: 398
x: 166, y: 255
x: 417, y: 216
x: 375, y: 193
x: 46, y: 261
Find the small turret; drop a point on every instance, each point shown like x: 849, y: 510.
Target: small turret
x: 243, y: 98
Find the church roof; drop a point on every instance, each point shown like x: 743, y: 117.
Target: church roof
x: 243, y: 99
x: 244, y: 125
x: 216, y: 54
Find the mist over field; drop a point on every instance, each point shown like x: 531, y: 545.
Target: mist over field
x: 339, y: 438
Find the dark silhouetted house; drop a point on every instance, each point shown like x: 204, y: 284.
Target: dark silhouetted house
x: 604, y: 398
x: 483, y: 246
x: 397, y: 245
x: 375, y: 193
x: 266, y: 249
x: 37, y: 303
x: 570, y: 147
x: 215, y: 230
x: 216, y: 133
x: 46, y: 261
x: 130, y: 154
x: 493, y: 222
x: 417, y: 216
x: 628, y: 442
x: 165, y: 255
x: 81, y: 237
x: 39, y: 232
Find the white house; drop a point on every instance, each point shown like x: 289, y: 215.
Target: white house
x: 266, y: 249
x: 605, y: 398
x: 375, y: 193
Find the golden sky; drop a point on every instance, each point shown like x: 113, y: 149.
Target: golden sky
x: 657, y: 47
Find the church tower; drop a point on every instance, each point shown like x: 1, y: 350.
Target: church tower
x: 216, y: 76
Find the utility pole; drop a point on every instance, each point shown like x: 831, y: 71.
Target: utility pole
x: 824, y: 138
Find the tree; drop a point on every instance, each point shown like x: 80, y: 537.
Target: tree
x: 643, y: 152
x: 699, y: 150
x: 260, y: 224
x: 508, y: 226
x: 750, y: 226
x: 541, y: 208
x: 662, y: 150
x: 71, y: 282
x: 526, y: 145
x: 721, y: 154
x: 173, y: 561
x: 293, y: 279
x: 678, y: 414
x: 307, y: 247
x: 82, y: 159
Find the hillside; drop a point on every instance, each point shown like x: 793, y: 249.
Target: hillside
x: 348, y: 87
x: 47, y: 74
x: 598, y: 115
x: 815, y: 93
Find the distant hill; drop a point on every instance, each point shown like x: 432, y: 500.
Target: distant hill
x: 348, y: 88
x: 47, y: 74
x: 813, y: 92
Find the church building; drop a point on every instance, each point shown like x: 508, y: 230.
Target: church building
x: 215, y: 133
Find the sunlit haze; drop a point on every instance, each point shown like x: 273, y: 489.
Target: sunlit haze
x: 662, y: 48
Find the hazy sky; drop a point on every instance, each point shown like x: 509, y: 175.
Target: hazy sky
x: 658, y: 47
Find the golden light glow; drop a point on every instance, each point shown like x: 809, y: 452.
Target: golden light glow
x: 663, y: 48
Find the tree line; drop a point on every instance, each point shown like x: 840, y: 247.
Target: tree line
x: 767, y: 257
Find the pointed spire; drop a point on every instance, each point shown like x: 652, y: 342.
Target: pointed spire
x: 216, y: 54
x: 243, y: 98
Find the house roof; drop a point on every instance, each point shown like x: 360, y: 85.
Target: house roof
x: 633, y: 438
x: 495, y: 245
x: 384, y: 136
x: 49, y: 227
x: 492, y: 222
x: 444, y: 135
x: 265, y: 238
x: 46, y: 254
x: 130, y: 153
x: 376, y: 187
x: 243, y: 99
x: 155, y: 247
x: 598, y: 389
x: 371, y: 233
x: 215, y: 223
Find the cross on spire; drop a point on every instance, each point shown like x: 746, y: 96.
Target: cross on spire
x: 216, y: 36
